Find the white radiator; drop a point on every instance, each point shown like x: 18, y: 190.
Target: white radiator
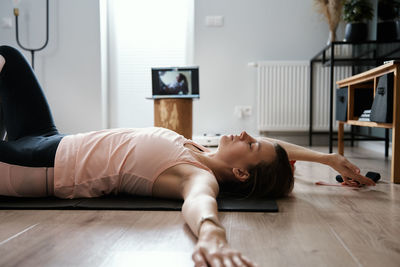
x: 284, y: 92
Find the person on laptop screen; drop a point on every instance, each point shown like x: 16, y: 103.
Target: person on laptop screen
x: 171, y: 82
x: 177, y: 87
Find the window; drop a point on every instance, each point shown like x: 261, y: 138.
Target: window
x: 143, y: 34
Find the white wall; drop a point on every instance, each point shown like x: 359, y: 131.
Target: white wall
x: 70, y: 72
x: 69, y: 67
x: 254, y: 30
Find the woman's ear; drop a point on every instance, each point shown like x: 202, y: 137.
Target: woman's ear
x: 241, y: 174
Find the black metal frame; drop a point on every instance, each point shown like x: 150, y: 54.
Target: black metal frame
x: 32, y: 50
x: 369, y: 58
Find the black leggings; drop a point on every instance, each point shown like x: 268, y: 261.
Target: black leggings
x: 32, y: 136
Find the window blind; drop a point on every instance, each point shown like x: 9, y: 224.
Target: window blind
x: 144, y: 34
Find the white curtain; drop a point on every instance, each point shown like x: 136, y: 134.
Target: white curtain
x: 143, y: 34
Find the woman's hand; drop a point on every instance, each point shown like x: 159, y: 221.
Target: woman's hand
x: 347, y: 170
x: 213, y: 250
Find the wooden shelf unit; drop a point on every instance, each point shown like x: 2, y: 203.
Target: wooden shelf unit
x: 370, y: 124
x: 366, y: 80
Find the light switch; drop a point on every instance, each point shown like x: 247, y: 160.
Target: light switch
x: 219, y: 21
x: 214, y: 21
x: 6, y: 22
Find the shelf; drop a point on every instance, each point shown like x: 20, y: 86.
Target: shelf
x: 367, y: 75
x: 369, y: 53
x: 370, y: 124
x: 359, y: 57
x: 356, y: 62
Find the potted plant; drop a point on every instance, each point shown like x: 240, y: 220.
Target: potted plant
x: 357, y: 13
x: 332, y: 11
x: 388, y: 27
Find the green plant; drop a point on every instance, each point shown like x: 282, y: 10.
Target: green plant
x: 388, y: 9
x: 357, y: 11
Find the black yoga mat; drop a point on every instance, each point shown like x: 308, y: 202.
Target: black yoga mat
x: 126, y: 202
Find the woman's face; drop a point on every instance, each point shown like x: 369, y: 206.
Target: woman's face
x: 244, y: 151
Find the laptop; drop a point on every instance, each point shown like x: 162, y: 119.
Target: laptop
x: 175, y: 82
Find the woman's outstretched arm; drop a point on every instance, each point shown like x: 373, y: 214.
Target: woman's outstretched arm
x: 200, y: 212
x: 335, y: 161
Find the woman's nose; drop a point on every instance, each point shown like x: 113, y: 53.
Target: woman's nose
x: 243, y: 135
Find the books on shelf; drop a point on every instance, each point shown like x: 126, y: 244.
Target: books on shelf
x: 365, y: 116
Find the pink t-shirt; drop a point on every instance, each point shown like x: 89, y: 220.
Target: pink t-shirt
x: 118, y: 160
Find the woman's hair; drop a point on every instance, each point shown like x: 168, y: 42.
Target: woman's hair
x: 267, y: 180
x: 182, y: 78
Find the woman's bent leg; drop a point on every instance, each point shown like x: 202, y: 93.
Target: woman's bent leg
x: 31, y: 151
x: 32, y: 136
x: 26, y: 111
x: 2, y: 126
x: 20, y: 181
x: 2, y: 62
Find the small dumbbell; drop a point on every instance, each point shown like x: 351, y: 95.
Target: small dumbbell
x: 374, y: 176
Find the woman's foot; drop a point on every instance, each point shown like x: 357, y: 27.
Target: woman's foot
x: 2, y: 62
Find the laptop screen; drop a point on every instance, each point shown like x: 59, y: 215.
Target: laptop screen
x: 175, y: 82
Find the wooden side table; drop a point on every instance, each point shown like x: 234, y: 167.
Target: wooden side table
x: 174, y: 114
x: 369, y: 79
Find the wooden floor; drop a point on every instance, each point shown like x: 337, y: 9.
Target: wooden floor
x: 316, y: 226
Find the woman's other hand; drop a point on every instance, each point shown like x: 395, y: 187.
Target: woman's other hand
x: 348, y: 170
x: 213, y: 250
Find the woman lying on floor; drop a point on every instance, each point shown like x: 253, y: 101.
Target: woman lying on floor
x: 37, y: 161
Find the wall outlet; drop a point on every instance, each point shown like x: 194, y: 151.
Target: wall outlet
x: 247, y: 110
x: 243, y: 111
